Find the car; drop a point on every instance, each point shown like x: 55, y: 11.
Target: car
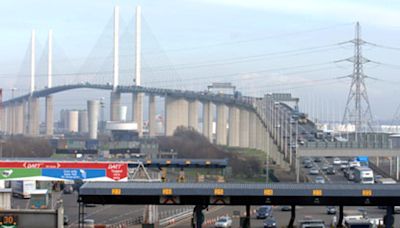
x: 344, y: 167
x: 223, y: 222
x: 353, y: 164
x: 263, y: 212
x: 314, y: 171
x: 377, y: 177
x: 337, y: 161
x: 68, y: 189
x: 308, y: 165
x: 317, y: 159
x: 350, y: 176
x: 307, y: 160
x: 319, y: 180
x: 270, y: 223
x: 324, y: 167
x: 88, y: 222
x: 331, y: 210
x: 286, y: 208
x: 345, y: 162
x: 331, y: 170
x: 66, y: 220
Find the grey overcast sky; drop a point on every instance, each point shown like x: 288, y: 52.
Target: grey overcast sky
x: 259, y: 45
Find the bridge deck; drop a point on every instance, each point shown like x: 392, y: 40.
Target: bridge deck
x: 239, y: 194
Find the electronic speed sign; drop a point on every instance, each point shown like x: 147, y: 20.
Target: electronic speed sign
x: 8, y: 221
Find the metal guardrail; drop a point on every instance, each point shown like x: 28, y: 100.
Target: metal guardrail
x: 347, y: 145
x: 127, y: 222
x: 175, y: 218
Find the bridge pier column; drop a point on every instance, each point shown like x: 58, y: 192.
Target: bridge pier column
x: 49, y: 115
x: 33, y: 116
x: 7, y: 119
x: 244, y: 128
x: 252, y: 130
x: 171, y: 113
x: 279, y: 156
x: 221, y: 124
x: 259, y: 134
x: 25, y: 111
x: 115, y: 104
x: 137, y: 111
x: 183, y: 113
x: 2, y: 118
x: 208, y: 120
x: 12, y: 117
x: 19, y: 116
x: 234, y: 122
x: 152, y: 115
x: 193, y: 117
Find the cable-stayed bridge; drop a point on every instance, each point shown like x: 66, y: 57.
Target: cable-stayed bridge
x: 267, y: 123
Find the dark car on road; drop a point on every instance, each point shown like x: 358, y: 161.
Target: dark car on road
x: 270, y: 223
x: 331, y: 170
x: 264, y: 212
x: 286, y: 208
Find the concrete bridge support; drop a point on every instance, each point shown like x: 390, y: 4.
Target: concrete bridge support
x: 194, y: 114
x: 183, y: 113
x: 234, y: 122
x: 9, y: 120
x: 137, y: 111
x: 12, y: 118
x: 207, y: 120
x: 2, y: 118
x: 115, y: 104
x: 259, y: 134
x: 244, y: 128
x: 171, y: 111
x: 19, y: 119
x: 152, y: 116
x: 25, y: 118
x: 221, y: 124
x: 252, y: 130
x: 49, y: 116
x: 33, y: 116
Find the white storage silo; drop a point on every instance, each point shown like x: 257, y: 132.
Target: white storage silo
x: 93, y: 108
x: 73, y: 121
x: 83, y: 121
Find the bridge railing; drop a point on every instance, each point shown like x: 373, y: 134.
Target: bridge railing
x: 347, y: 145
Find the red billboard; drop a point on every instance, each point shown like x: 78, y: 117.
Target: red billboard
x: 115, y: 171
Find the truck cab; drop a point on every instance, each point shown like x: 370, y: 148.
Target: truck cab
x: 39, y: 199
